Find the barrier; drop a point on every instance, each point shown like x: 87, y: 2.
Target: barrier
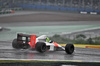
x: 9, y: 10
x: 44, y: 7
x: 6, y: 11
x: 94, y: 13
x: 16, y: 9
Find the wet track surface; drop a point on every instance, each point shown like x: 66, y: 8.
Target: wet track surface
x: 80, y: 54
x: 49, y: 23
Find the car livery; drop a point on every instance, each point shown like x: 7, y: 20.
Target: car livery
x: 24, y: 41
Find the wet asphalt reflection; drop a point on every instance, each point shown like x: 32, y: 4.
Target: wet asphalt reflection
x: 80, y: 54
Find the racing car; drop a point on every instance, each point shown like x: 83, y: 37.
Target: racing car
x: 25, y: 41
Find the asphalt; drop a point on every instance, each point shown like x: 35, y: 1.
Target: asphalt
x: 41, y: 16
x: 47, y: 18
x: 80, y: 54
x: 49, y: 23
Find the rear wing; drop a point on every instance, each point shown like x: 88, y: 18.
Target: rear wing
x: 26, y: 39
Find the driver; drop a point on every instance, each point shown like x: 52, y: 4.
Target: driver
x: 47, y: 39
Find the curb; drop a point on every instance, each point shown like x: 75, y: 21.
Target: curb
x: 85, y: 46
x: 96, y: 47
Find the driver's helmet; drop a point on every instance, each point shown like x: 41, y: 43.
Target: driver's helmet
x: 47, y: 39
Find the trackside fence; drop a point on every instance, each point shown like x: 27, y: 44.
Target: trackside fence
x: 42, y: 7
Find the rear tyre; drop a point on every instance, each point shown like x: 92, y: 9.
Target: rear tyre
x: 15, y: 44
x: 40, y: 47
x: 69, y: 48
x: 25, y: 46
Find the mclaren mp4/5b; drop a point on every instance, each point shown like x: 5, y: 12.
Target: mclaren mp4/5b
x: 40, y: 44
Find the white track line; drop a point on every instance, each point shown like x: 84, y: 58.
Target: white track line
x: 55, y: 60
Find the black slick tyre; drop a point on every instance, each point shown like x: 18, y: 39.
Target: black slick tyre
x: 69, y: 48
x: 40, y: 47
x: 25, y: 46
x: 15, y: 44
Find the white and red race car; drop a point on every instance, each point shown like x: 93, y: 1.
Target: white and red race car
x: 40, y: 44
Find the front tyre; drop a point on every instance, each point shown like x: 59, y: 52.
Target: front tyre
x: 40, y: 47
x: 69, y: 48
